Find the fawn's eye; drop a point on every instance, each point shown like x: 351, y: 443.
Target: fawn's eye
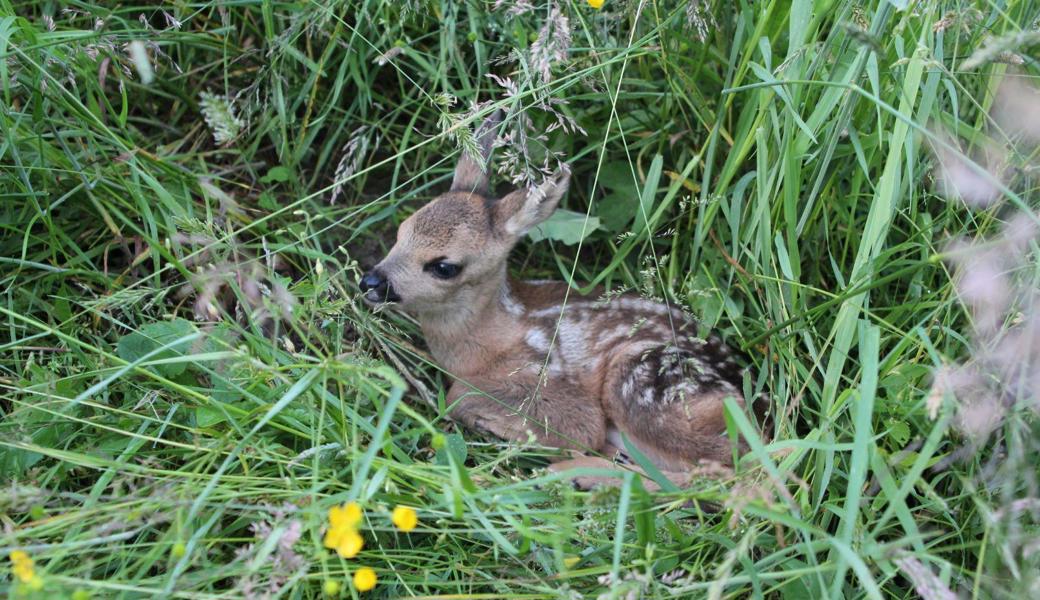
x: 441, y: 269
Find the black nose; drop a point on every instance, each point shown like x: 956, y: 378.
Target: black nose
x: 377, y: 288
x: 373, y: 280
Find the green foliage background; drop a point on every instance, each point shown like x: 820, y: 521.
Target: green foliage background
x: 774, y: 178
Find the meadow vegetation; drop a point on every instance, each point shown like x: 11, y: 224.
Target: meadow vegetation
x: 847, y: 190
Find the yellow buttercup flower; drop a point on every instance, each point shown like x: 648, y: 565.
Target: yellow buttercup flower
x: 19, y: 556
x: 597, y: 4
x: 404, y: 518
x: 22, y: 567
x: 351, y: 544
x: 24, y: 573
x: 364, y: 579
x: 348, y: 515
x: 334, y: 537
x: 343, y: 536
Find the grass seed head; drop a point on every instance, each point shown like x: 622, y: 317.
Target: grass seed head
x: 552, y: 45
x: 221, y: 117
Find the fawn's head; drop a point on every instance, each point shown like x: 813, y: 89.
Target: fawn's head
x: 452, y: 252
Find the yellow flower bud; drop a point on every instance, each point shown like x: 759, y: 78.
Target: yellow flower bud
x: 331, y: 587
x: 597, y: 4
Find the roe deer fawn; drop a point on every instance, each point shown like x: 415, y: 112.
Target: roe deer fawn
x: 576, y: 374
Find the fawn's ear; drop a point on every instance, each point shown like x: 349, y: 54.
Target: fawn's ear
x: 521, y: 210
x: 471, y: 173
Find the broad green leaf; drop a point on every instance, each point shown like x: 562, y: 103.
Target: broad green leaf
x: 154, y: 335
x: 277, y: 174
x: 899, y: 432
x: 565, y: 226
x: 206, y: 416
x: 617, y: 176
x: 616, y: 210
x: 456, y: 445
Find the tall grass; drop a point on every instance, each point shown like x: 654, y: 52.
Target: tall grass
x: 190, y: 191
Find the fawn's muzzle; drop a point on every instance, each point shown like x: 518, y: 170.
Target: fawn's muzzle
x: 377, y: 288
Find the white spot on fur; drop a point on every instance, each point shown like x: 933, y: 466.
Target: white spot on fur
x: 610, y: 338
x: 572, y: 337
x: 546, y: 312
x: 638, y: 305
x: 614, y: 438
x: 641, y: 305
x: 537, y: 340
x: 510, y: 303
x: 567, y: 309
x: 642, y: 346
x: 638, y: 377
x: 627, y: 386
x: 681, y: 391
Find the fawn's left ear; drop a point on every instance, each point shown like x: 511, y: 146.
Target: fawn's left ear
x: 471, y: 174
x: 521, y: 210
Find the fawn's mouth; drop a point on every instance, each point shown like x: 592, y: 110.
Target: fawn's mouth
x: 381, y: 297
x: 376, y: 287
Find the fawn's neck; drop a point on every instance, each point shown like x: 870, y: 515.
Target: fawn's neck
x: 463, y: 340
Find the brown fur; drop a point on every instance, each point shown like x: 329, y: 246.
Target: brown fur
x: 575, y: 374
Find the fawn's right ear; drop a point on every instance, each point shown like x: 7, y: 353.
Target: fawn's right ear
x: 471, y: 174
x: 518, y: 212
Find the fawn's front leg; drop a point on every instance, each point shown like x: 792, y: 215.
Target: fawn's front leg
x: 559, y: 414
